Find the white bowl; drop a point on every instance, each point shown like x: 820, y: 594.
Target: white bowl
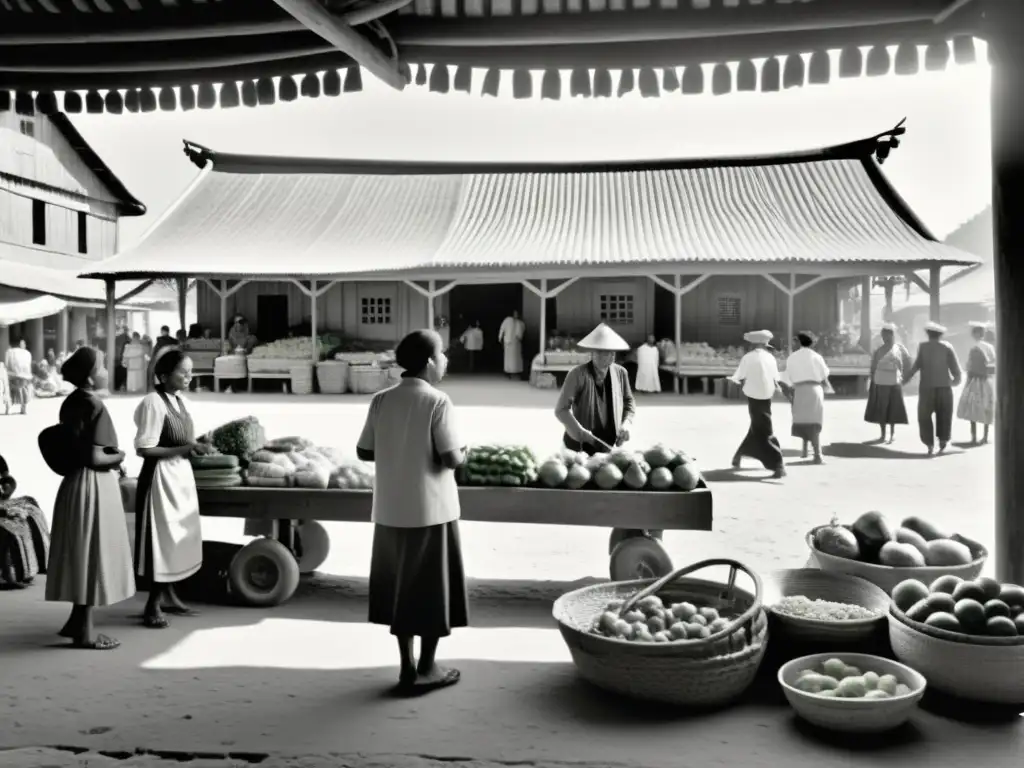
x: 853, y: 715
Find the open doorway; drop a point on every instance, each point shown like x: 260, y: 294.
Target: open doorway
x: 490, y: 305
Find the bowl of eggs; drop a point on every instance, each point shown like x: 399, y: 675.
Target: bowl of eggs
x: 852, y: 692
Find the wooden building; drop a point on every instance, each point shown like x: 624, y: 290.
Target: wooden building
x: 59, y: 208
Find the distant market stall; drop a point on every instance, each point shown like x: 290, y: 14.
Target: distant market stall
x: 351, y: 255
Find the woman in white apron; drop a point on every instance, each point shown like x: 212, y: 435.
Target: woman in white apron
x: 168, y: 536
x: 648, y: 375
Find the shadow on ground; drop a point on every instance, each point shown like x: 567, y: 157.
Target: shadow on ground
x: 872, y: 450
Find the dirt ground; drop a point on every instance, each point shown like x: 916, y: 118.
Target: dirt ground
x: 304, y: 684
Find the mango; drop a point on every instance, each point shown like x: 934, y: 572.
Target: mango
x: 898, y: 555
x: 907, y: 593
x: 997, y: 608
x: 947, y: 552
x: 971, y: 590
x: 1001, y: 626
x: 945, y: 584
x: 946, y: 621
x: 970, y: 614
x: 1012, y: 594
x: 923, y: 528
x: 913, y: 538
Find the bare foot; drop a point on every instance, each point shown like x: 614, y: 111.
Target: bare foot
x: 99, y: 643
x: 438, y: 677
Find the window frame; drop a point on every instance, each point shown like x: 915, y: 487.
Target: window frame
x: 620, y: 299
x: 83, y: 232
x: 38, y: 222
x: 730, y: 297
x: 370, y: 301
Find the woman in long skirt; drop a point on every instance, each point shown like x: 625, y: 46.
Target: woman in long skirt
x: 885, y: 405
x: 417, y: 584
x: 168, y: 533
x: 806, y: 377
x: 978, y: 399
x: 90, y: 561
x: 134, y: 359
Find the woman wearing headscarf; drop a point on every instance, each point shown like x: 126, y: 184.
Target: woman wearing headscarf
x: 885, y: 384
x: 168, y: 533
x: 978, y: 399
x: 90, y: 561
x: 806, y: 378
x: 417, y: 582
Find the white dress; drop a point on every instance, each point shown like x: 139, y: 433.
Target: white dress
x: 648, y: 378
x: 510, y: 335
x: 173, y: 503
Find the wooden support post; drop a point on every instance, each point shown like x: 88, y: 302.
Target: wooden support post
x: 865, y: 313
x: 1004, y: 22
x: 312, y: 322
x: 225, y: 347
x: 934, y: 299
x: 543, y: 296
x: 111, y: 304
x: 790, y: 306
x: 5, y: 340
x: 430, y: 304
x: 37, y: 338
x: 182, y: 283
x: 677, y: 324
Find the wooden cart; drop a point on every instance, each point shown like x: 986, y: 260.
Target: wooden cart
x: 266, y: 571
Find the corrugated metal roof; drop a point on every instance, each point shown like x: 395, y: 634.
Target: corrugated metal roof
x: 18, y: 271
x: 791, y: 212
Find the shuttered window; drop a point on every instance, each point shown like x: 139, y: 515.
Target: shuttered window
x: 376, y: 310
x: 729, y: 310
x: 38, y: 222
x: 83, y: 232
x: 616, y: 308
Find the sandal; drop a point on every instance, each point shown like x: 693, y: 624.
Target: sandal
x: 101, y: 643
x: 155, y: 622
x: 182, y: 610
x: 449, y: 678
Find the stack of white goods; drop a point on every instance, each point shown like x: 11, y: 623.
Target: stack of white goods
x: 367, y: 379
x: 302, y: 378
x: 213, y: 469
x: 332, y: 377
x: 231, y: 367
x: 297, y: 348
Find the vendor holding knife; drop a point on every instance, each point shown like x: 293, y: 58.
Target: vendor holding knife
x: 596, y: 404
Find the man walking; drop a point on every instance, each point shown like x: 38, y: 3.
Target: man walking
x: 758, y: 374
x: 940, y: 372
x: 473, y: 341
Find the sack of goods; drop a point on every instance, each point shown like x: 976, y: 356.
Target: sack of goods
x: 24, y: 541
x: 215, y: 470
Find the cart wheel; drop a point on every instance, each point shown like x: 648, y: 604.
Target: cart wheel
x: 639, y: 557
x: 621, y: 534
x: 264, y: 573
x: 313, y: 544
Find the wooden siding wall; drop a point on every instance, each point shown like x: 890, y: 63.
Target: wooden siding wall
x: 338, y: 310
x: 578, y: 309
x: 61, y: 248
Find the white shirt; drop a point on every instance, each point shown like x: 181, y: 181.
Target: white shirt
x: 805, y: 365
x: 19, y: 362
x: 149, y: 420
x: 473, y: 339
x: 758, y: 373
x: 408, y: 428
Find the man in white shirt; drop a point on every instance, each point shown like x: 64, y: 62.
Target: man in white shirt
x: 19, y: 372
x: 758, y: 374
x: 473, y: 341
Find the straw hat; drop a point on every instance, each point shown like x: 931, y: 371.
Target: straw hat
x: 757, y: 337
x: 889, y: 327
x: 934, y: 327
x: 978, y: 324
x: 603, y: 339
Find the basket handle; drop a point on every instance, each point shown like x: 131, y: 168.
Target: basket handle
x: 744, y: 619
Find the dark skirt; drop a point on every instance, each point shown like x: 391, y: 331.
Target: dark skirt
x: 761, y: 442
x: 417, y: 583
x: 885, y: 405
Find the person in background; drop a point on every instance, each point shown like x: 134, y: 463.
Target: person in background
x: 978, y: 399
x: 18, y: 361
x: 885, y: 384
x: 806, y: 380
x: 648, y: 374
x: 90, y: 560
x: 238, y: 336
x: 940, y: 372
x: 168, y: 535
x: 473, y: 341
x: 417, y: 581
x: 180, y: 338
x: 510, y: 336
x: 135, y: 362
x: 758, y: 374
x: 120, y: 371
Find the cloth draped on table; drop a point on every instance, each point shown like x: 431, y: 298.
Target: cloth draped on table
x: 978, y: 399
x: 90, y: 560
x: 168, y: 532
x: 603, y: 410
x: 510, y: 336
x: 648, y: 376
x: 885, y: 404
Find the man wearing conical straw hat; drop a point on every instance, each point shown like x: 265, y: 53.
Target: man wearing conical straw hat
x: 940, y: 372
x: 758, y: 374
x: 596, y: 404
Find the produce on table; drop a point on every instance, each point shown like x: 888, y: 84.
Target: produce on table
x: 240, y: 438
x: 297, y: 348
x: 577, y: 477
x: 914, y: 544
x: 212, y: 469
x: 982, y: 607
x: 656, y: 469
x: 803, y: 607
x: 287, y: 444
x: 499, y: 465
x: 836, y: 679
x: 651, y: 621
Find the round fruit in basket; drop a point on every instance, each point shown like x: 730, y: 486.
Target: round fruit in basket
x: 652, y: 621
x: 981, y: 607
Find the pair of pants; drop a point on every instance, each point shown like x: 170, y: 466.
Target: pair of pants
x: 935, y: 402
x: 761, y: 442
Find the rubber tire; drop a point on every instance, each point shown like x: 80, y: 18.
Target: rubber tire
x: 639, y: 557
x: 280, y: 565
x: 313, y: 542
x: 618, y: 535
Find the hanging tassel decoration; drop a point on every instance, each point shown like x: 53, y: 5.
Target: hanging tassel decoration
x: 248, y: 93
x: 310, y: 86
x: 5, y: 101
x: 879, y: 62
x: 579, y: 83
x: 963, y: 49
x: 463, y: 81
x: 93, y: 103
x: 721, y: 79
x: 906, y: 59
x: 113, y: 104
x: 353, y: 80
x: 522, y: 84
x: 72, y: 102
x: 492, y: 83
x: 265, y: 94
x: 746, y: 76
x: 603, y: 87
x: 229, y: 96
x: 187, y: 97
x: 793, y: 71
x: 421, y: 74
x: 439, y: 81
x: 647, y: 83
x: 332, y: 83
x: 166, y: 99
x: 819, y: 71
x: 936, y: 56
x: 693, y: 80
x: 551, y: 85
x: 131, y: 100
x: 627, y: 82
x: 287, y: 89
x: 24, y: 104
x: 851, y: 62
x: 147, y: 100
x: 771, y: 75
x: 46, y: 103
x: 207, y: 96
x: 669, y: 80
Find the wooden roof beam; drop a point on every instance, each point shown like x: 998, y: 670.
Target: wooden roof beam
x: 954, y: 7
x: 316, y: 18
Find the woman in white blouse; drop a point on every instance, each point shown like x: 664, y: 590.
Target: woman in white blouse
x: 168, y: 536
x: 806, y: 377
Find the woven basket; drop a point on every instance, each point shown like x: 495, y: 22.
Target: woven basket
x: 887, y: 577
x: 835, y: 588
x: 302, y: 379
x: 973, y: 670
x: 699, y: 673
x: 367, y: 379
x: 231, y: 367
x: 332, y: 376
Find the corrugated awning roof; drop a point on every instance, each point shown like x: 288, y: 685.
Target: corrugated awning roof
x: 17, y: 307
x: 17, y: 271
x: 263, y: 216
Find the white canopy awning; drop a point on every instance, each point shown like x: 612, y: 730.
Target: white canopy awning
x: 17, y: 307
